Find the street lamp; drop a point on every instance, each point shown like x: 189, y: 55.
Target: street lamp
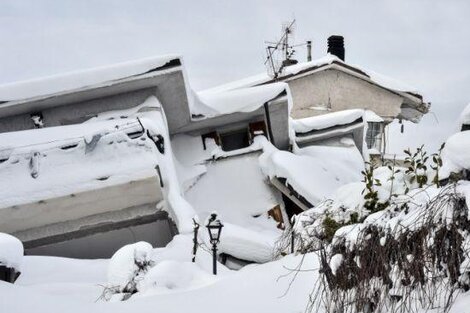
x: 214, y: 226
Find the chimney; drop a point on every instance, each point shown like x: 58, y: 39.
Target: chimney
x: 309, y: 50
x: 336, y: 46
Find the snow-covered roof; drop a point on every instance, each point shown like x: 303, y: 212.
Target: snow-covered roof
x: 238, y: 100
x: 77, y: 80
x: 328, y: 120
x: 107, y: 151
x: 323, y: 63
x: 263, y: 78
x: 314, y: 172
x: 87, y: 156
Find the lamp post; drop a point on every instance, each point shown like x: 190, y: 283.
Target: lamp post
x: 214, y: 226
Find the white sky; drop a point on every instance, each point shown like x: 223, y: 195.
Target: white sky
x: 424, y: 43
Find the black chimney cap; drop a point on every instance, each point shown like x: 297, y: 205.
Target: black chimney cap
x: 336, y: 46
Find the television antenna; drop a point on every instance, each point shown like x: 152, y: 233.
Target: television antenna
x: 280, y: 53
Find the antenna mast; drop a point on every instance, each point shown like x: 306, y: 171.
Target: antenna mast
x: 279, y: 54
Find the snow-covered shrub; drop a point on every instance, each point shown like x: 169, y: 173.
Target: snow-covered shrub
x: 11, y: 251
x: 399, y: 260
x: 126, y: 269
x: 372, y: 201
x: 417, y: 164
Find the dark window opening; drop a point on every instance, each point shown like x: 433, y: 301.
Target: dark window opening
x: 212, y: 135
x: 465, y: 127
x: 258, y: 128
x: 235, y: 140
x: 291, y: 208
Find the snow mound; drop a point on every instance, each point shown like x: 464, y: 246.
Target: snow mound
x: 247, y: 244
x: 127, y: 263
x: 170, y: 275
x: 11, y: 251
x: 456, y: 154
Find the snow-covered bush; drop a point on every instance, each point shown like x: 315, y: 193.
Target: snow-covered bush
x: 417, y: 167
x: 11, y: 251
x: 126, y: 269
x: 371, y: 196
x: 456, y: 157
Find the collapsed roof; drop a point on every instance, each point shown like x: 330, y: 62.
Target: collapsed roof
x: 84, y: 79
x: 45, y: 92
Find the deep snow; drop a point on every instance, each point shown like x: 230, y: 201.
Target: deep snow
x: 174, y: 284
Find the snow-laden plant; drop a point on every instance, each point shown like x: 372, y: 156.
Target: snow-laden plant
x: 417, y: 163
x: 127, y: 267
x: 416, y: 166
x: 437, y: 164
x: 372, y: 201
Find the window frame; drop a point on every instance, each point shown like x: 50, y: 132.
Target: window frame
x: 374, y: 135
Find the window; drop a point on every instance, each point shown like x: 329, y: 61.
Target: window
x: 374, y: 135
x: 234, y: 140
x: 211, y: 135
x: 258, y: 128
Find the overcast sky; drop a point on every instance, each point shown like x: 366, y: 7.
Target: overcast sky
x: 424, y: 43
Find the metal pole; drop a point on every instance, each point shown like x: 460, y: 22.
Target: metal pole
x: 214, y: 259
x: 292, y: 243
x: 195, y: 241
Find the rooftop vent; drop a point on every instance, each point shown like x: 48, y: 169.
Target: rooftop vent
x: 336, y: 46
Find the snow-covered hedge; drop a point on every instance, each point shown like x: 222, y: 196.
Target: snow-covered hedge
x: 415, y: 254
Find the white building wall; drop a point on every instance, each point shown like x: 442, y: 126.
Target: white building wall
x: 332, y: 90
